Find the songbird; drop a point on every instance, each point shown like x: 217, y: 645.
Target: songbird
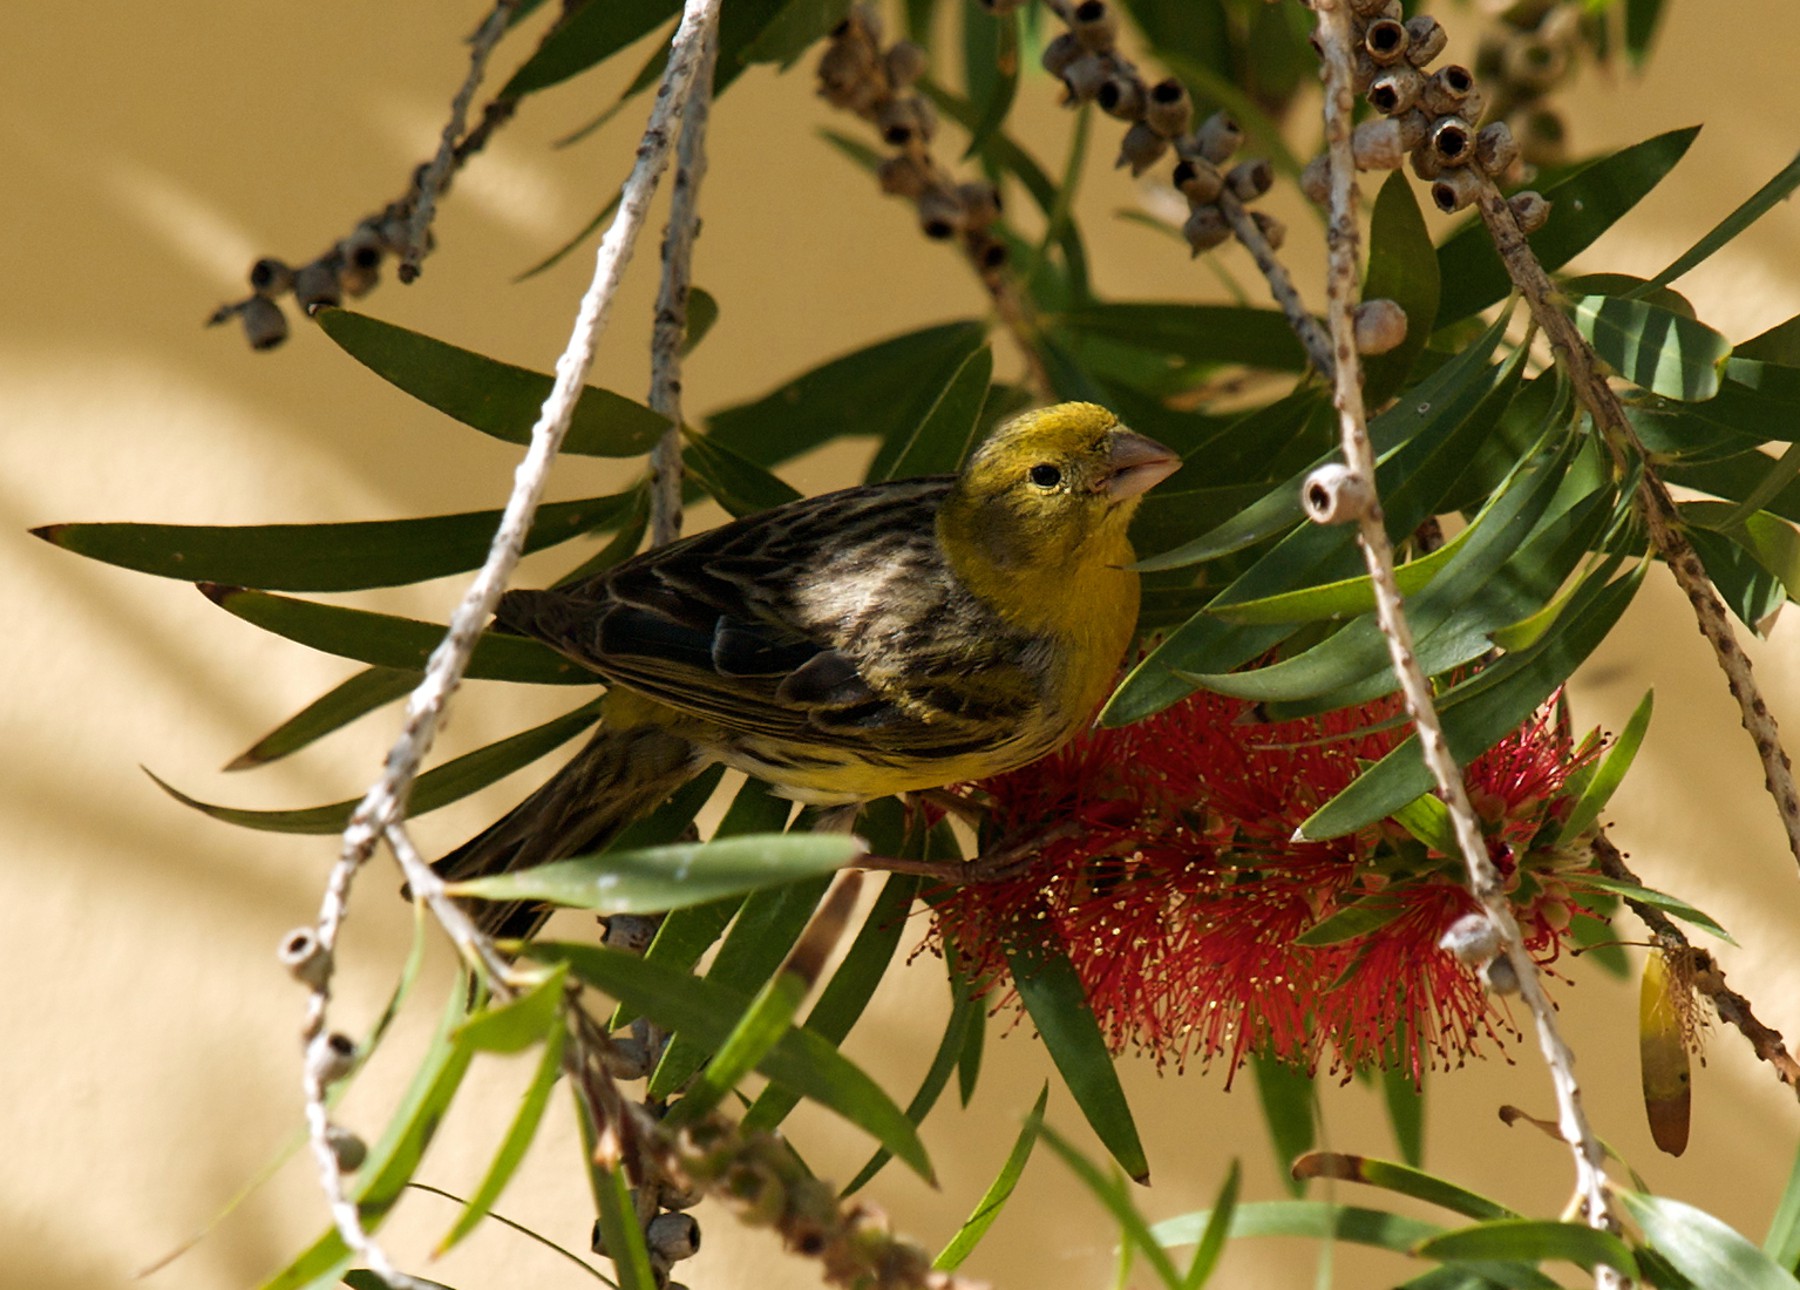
x: 889, y: 638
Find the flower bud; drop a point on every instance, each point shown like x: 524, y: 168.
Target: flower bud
x: 905, y: 63
x: 1379, y: 326
x: 1447, y: 89
x: 941, y: 214
x: 1206, y: 228
x: 1315, y: 180
x: 1122, y: 96
x: 347, y: 1149
x: 1095, y: 25
x: 1084, y: 77
x: 1335, y: 494
x: 673, y: 1236
x: 1396, y: 90
x: 1386, y: 41
x: 316, y: 284
x: 302, y: 953
x: 1455, y: 189
x: 1060, y: 52
x: 1199, y: 181
x: 904, y: 176
x: 1168, y: 109
x: 1451, y: 141
x: 1530, y: 209
x: 1249, y: 180
x: 1496, y: 151
x: 1141, y: 147
x: 1425, y: 39
x: 1218, y: 137
x: 265, y: 326
x: 1378, y: 144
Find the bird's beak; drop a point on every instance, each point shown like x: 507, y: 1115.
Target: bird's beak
x: 1136, y: 465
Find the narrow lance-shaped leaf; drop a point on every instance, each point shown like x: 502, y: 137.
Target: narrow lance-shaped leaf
x: 1111, y: 1193
x: 324, y: 557
x: 591, y: 34
x: 1403, y: 1180
x: 389, y: 641
x: 361, y: 693
x: 1403, y: 268
x: 1653, y: 348
x: 1702, y: 1249
x: 987, y: 1209
x: 1611, y: 772
x: 440, y: 786
x: 1532, y: 1239
x: 708, y: 1010
x: 940, y: 442
x: 1760, y: 203
x: 735, y: 482
x: 1218, y: 1228
x: 1289, y: 1112
x: 659, y: 879
x: 1051, y: 992
x: 1673, y: 906
x: 495, y: 398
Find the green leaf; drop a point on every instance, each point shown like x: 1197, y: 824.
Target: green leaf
x: 1743, y: 581
x: 994, y: 1199
x: 1641, y: 19
x: 658, y: 879
x: 518, y: 1139
x: 1051, y: 991
x: 881, y: 390
x: 1405, y: 1102
x: 1653, y: 348
x: 1673, y: 906
x: 598, y: 218
x: 1370, y: 914
x: 1611, y: 772
x: 1479, y: 712
x: 1428, y: 819
x: 1343, y: 597
x: 1783, y: 1241
x: 1218, y: 1226
x: 1403, y: 268
x: 847, y: 994
x: 1530, y: 1240
x: 324, y: 557
x: 521, y: 1022
x: 738, y: 484
x: 707, y: 1011
x: 360, y: 694
x: 702, y: 313
x: 1111, y: 1192
x: 590, y: 35
x: 963, y: 1012
x: 765, y: 1021
x: 1210, y: 334
x: 991, y: 71
x: 1316, y: 1220
x: 319, y: 1266
x: 1290, y: 1112
x: 1404, y: 1180
x: 1584, y: 206
x: 793, y: 27
x: 495, y: 398
x: 440, y: 786
x: 389, y: 641
x: 1760, y: 203
x: 1701, y: 1248
x: 940, y: 442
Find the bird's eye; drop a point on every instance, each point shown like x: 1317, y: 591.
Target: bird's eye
x: 1046, y: 476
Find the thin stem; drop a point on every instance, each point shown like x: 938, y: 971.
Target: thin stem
x: 437, y: 172
x: 1653, y: 502
x: 1312, y: 336
x: 1484, y: 880
x: 382, y: 809
x: 670, y: 328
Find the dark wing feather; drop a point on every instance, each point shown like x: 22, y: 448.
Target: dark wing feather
x: 722, y: 625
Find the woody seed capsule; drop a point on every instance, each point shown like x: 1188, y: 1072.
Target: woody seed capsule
x: 904, y: 176
x: 1249, y: 180
x: 941, y: 214
x: 1168, y: 110
x: 1495, y: 149
x: 1062, y: 51
x: 1095, y: 25
x: 1425, y: 39
x: 265, y: 326
x: 1141, y: 147
x: 1378, y: 145
x: 1206, y: 228
x: 1396, y: 90
x: 1084, y: 77
x: 1530, y: 209
x: 1386, y: 41
x: 1456, y: 189
x: 1199, y: 181
x: 1218, y: 137
x: 1451, y: 141
x: 1122, y: 96
x: 905, y: 63
x: 1380, y: 326
x: 1447, y: 89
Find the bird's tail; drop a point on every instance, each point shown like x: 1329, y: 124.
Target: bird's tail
x: 621, y: 775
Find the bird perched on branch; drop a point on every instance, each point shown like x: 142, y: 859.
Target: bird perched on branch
x: 894, y: 637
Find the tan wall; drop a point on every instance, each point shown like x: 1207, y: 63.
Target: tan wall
x: 147, y: 152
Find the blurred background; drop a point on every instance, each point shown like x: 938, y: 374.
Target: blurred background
x: 150, y: 1067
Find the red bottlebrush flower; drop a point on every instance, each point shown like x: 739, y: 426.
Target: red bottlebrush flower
x: 1172, y: 881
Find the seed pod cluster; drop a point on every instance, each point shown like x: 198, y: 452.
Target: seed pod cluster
x: 1533, y: 50
x: 861, y: 75
x: 1430, y: 117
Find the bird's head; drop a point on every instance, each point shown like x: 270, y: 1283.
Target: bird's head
x: 1054, y: 486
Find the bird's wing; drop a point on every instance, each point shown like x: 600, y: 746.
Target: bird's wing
x: 722, y: 626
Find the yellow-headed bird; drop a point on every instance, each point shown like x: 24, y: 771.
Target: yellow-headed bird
x: 893, y: 637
